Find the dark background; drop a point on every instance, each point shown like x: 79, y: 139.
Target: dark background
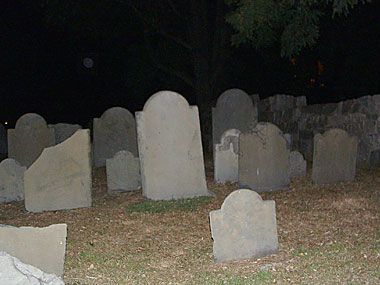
x: 41, y: 65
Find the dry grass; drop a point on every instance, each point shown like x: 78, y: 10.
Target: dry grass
x: 327, y: 235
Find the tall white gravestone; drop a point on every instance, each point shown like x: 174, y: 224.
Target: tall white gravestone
x: 170, y: 149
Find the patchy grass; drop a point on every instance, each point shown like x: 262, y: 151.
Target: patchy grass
x: 328, y: 234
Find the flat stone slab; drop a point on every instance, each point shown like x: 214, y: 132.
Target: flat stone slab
x: 244, y: 228
x: 61, y: 177
x: 11, y: 181
x: 43, y: 248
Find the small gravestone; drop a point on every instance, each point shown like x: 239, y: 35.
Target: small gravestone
x: 43, y: 248
x: 63, y: 131
x: 123, y: 172
x: 226, y: 157
x: 114, y: 131
x: 11, y: 180
x: 61, y: 177
x: 263, y: 159
x: 170, y: 149
x: 14, y: 271
x: 234, y: 110
x: 28, y: 139
x: 3, y: 142
x: 334, y: 158
x: 297, y: 164
x: 244, y: 228
x: 288, y: 138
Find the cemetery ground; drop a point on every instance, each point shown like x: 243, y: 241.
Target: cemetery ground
x: 328, y: 234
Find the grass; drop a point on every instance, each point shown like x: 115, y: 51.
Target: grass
x: 328, y: 234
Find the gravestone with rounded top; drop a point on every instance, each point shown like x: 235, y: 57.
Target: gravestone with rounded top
x: 11, y: 180
x: 28, y: 139
x: 234, y: 110
x: 263, y: 159
x: 226, y: 157
x: 61, y: 177
x: 334, y: 158
x: 63, y: 131
x: 244, y: 228
x: 170, y: 149
x: 297, y: 164
x: 114, y: 131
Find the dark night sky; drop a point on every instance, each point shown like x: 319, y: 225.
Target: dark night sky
x: 41, y: 66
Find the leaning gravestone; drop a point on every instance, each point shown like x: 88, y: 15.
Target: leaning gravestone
x: 263, y: 159
x: 123, y: 172
x: 334, y: 158
x: 245, y: 227
x: 43, y: 248
x: 297, y: 164
x: 61, y: 177
x: 3, y: 142
x: 63, y: 131
x: 11, y: 181
x: 114, y: 131
x: 234, y: 110
x: 226, y: 157
x: 170, y: 149
x: 28, y: 139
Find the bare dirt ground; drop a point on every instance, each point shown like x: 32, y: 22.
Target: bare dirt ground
x: 328, y: 234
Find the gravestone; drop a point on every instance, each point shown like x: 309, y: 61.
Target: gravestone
x: 334, y: 158
x: 297, y: 164
x: 11, y: 181
x: 28, y: 139
x: 43, y: 248
x: 63, y: 131
x: 170, y: 149
x: 3, y: 143
x: 226, y: 157
x: 61, y: 177
x: 234, y: 110
x: 245, y: 227
x: 114, y: 131
x: 263, y: 159
x: 123, y: 172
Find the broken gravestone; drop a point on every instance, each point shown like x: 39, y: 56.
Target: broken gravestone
x: 297, y: 164
x: 244, y: 228
x: 226, y: 157
x: 61, y: 177
x: 43, y: 248
x: 123, y: 172
x: 11, y: 181
x: 334, y: 158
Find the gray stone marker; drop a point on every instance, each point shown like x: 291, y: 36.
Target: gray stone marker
x: 11, y: 180
x: 61, y: 177
x: 297, y: 164
x: 245, y: 227
x: 263, y: 159
x: 234, y: 110
x: 114, y: 131
x: 170, y: 149
x: 13, y: 271
x: 334, y: 158
x: 43, y: 248
x: 3, y: 142
x: 27, y: 140
x: 227, y: 157
x: 123, y: 172
x: 63, y: 131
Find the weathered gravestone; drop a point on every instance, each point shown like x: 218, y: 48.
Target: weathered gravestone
x: 114, y: 131
x: 63, y: 131
x: 245, y: 227
x: 3, y: 143
x: 43, y: 248
x: 123, y: 172
x: 297, y: 164
x: 15, y: 272
x: 226, y: 157
x: 11, y: 180
x: 28, y: 139
x: 170, y: 149
x: 234, y: 110
x: 263, y: 159
x: 334, y: 158
x: 61, y: 177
